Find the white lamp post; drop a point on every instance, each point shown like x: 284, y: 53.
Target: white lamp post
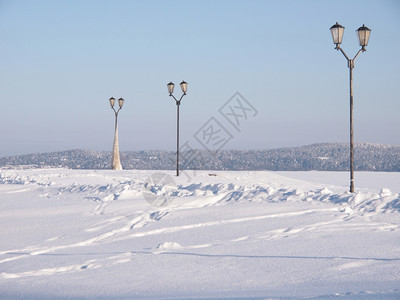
x: 363, y: 34
x: 116, y: 163
x: 171, y: 86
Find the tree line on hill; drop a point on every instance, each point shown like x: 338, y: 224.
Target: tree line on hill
x: 322, y: 157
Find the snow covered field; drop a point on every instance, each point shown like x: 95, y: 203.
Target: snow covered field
x: 136, y: 234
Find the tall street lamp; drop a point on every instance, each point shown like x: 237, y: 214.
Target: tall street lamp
x: 171, y: 86
x: 116, y: 163
x: 363, y: 34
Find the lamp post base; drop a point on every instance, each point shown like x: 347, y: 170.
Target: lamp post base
x: 117, y: 167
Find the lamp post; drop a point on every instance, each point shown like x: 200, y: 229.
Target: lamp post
x: 363, y: 34
x: 116, y: 163
x: 171, y: 86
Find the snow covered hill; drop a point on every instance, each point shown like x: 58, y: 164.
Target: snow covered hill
x: 322, y: 157
x: 126, y: 234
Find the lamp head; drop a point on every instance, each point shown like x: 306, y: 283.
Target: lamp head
x: 170, y: 88
x: 184, y: 86
x: 337, y: 31
x: 112, y: 101
x: 121, y: 102
x: 363, y: 34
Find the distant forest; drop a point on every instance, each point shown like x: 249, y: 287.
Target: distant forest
x: 323, y: 157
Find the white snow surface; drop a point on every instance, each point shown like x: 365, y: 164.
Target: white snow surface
x: 87, y: 234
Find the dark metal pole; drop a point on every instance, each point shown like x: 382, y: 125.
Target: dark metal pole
x: 350, y: 63
x: 351, y: 66
x: 178, y: 103
x: 177, y: 137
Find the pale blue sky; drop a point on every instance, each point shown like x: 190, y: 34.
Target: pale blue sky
x: 62, y: 60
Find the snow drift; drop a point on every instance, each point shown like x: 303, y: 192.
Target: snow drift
x: 89, y: 234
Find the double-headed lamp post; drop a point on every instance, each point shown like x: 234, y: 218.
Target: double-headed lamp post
x: 363, y: 34
x: 171, y: 86
x: 116, y: 163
